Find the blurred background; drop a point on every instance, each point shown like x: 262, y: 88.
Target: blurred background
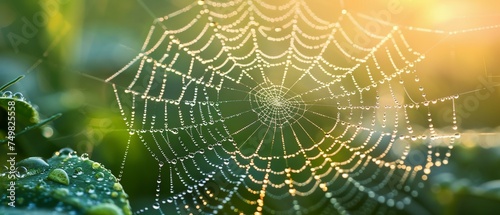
x: 66, y: 48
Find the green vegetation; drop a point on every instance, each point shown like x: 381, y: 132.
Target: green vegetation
x: 65, y: 183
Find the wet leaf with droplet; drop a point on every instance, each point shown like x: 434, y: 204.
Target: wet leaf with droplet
x: 66, y: 183
x: 26, y: 115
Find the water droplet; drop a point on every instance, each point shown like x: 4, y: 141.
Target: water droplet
x: 117, y: 187
x: 18, y: 96
x: 84, y: 156
x: 106, y: 191
x: 156, y: 206
x: 79, y: 191
x: 90, y: 189
x: 96, y: 165
x: 22, y: 172
x: 64, y: 152
x: 34, y: 165
x: 59, y: 176
x: 7, y: 94
x: 40, y: 186
x: 99, y: 176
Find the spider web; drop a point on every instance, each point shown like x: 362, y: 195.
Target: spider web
x: 255, y: 107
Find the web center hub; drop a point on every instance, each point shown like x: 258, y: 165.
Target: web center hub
x: 276, y: 105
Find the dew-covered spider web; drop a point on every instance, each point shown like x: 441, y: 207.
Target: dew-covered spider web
x: 272, y: 107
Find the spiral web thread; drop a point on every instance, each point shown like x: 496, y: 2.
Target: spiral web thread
x: 255, y: 107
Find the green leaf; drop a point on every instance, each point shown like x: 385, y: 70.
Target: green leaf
x: 2, y: 88
x: 25, y: 115
x: 65, y: 183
